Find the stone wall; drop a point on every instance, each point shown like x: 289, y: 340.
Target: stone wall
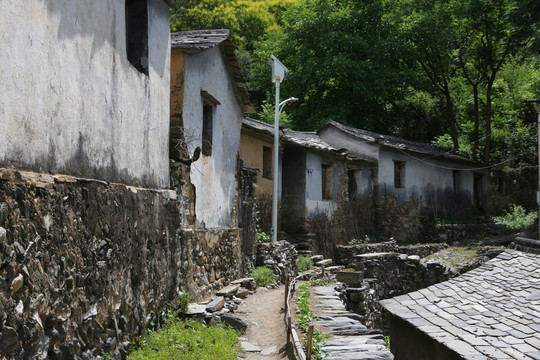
x: 280, y: 256
x: 402, y: 222
x: 451, y: 233
x: 344, y: 254
x: 86, y: 265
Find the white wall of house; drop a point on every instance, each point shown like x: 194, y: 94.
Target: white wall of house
x: 213, y: 176
x: 72, y: 103
x: 315, y: 203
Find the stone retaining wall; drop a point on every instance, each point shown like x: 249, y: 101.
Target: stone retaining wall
x: 280, y: 256
x: 85, y: 266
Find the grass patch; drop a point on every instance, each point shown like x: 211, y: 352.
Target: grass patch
x: 188, y: 340
x: 305, y: 316
x: 454, y: 256
x: 263, y: 276
x: 304, y: 263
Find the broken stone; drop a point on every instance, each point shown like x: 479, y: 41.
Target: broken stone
x: 242, y: 293
x: 249, y: 347
x: 324, y: 262
x: 216, y: 304
x: 315, y: 258
x: 3, y: 234
x: 234, y: 321
x: 196, y: 309
x: 9, y: 340
x: 228, y: 290
x: 268, y: 351
x: 17, y: 283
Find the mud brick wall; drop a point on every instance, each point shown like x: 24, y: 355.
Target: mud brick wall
x: 85, y: 266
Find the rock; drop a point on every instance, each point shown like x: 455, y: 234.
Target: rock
x: 228, y: 290
x: 19, y: 308
x: 234, y: 321
x: 9, y: 340
x: 216, y: 304
x: 196, y: 309
x: 316, y: 258
x: 242, y: 293
x: 3, y: 234
x: 249, y: 347
x: 16, y: 284
x: 324, y: 262
x: 268, y: 351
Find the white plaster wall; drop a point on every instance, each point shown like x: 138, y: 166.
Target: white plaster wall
x: 422, y: 178
x: 213, y: 176
x: 70, y: 100
x: 314, y: 201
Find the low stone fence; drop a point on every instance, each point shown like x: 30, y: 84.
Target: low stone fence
x: 451, y: 233
x: 85, y: 265
x: 280, y: 256
x: 345, y: 254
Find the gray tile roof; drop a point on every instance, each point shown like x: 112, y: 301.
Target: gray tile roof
x: 398, y: 143
x: 198, y: 40
x: 303, y: 139
x: 492, y: 312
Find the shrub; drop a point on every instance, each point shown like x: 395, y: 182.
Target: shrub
x: 189, y: 340
x: 304, y: 263
x: 517, y: 219
x: 262, y: 237
x: 182, y: 301
x: 263, y: 276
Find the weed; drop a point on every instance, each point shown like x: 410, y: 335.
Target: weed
x: 189, y: 340
x: 263, y: 276
x: 262, y: 237
x: 517, y: 218
x: 304, y: 263
x: 305, y: 316
x: 387, y: 341
x: 182, y: 301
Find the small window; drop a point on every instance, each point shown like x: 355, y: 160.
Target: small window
x: 137, y: 34
x: 327, y: 178
x: 209, y: 109
x: 267, y: 162
x: 354, y: 181
x: 399, y: 174
x: 456, y: 175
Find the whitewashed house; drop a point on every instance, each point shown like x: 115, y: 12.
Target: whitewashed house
x: 208, y: 102
x: 85, y: 88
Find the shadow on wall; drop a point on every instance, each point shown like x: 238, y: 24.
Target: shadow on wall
x: 98, y: 19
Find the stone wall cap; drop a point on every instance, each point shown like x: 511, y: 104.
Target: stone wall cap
x: 376, y: 255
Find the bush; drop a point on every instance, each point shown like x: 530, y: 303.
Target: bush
x: 304, y: 263
x: 182, y: 301
x: 517, y: 219
x: 263, y: 276
x: 189, y: 340
x: 262, y: 237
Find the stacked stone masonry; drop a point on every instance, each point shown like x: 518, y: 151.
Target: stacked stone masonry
x: 85, y: 265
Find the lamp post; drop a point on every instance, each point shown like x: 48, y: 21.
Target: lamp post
x: 279, y: 71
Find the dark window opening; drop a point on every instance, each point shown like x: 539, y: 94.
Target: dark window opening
x: 327, y: 180
x: 207, y: 130
x: 399, y: 174
x: 478, y: 198
x: 137, y: 34
x: 456, y: 174
x: 209, y: 108
x: 267, y: 162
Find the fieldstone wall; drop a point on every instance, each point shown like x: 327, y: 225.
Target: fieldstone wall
x: 450, y: 233
x: 85, y: 265
x: 280, y: 256
x: 400, y: 222
x: 345, y: 254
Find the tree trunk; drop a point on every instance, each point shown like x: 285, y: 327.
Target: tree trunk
x: 451, y: 117
x: 489, y: 90
x: 476, y: 138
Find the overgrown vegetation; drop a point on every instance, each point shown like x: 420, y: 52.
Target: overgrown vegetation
x: 262, y: 237
x: 188, y: 340
x: 263, y: 276
x: 304, y: 263
x: 305, y: 317
x: 455, y: 255
x: 182, y: 301
x: 367, y: 239
x: 517, y: 218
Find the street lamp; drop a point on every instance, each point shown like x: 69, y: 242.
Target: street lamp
x: 279, y: 72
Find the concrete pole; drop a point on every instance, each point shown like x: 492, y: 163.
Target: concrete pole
x: 275, y: 174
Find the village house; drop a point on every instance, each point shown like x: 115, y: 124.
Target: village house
x: 412, y: 180
x: 99, y: 231
x: 208, y: 101
x: 85, y: 89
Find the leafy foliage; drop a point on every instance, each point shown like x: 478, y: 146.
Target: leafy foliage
x: 263, y: 276
x: 188, y: 340
x: 304, y: 263
x: 517, y: 219
x: 262, y: 237
x: 182, y: 301
x: 305, y: 317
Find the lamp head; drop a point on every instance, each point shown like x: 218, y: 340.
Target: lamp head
x: 279, y: 71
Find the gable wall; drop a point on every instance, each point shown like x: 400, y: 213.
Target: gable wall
x: 72, y: 103
x: 214, y: 176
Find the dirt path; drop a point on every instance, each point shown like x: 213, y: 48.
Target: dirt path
x: 265, y: 338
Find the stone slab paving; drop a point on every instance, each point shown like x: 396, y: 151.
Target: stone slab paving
x: 492, y: 312
x: 349, y: 338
